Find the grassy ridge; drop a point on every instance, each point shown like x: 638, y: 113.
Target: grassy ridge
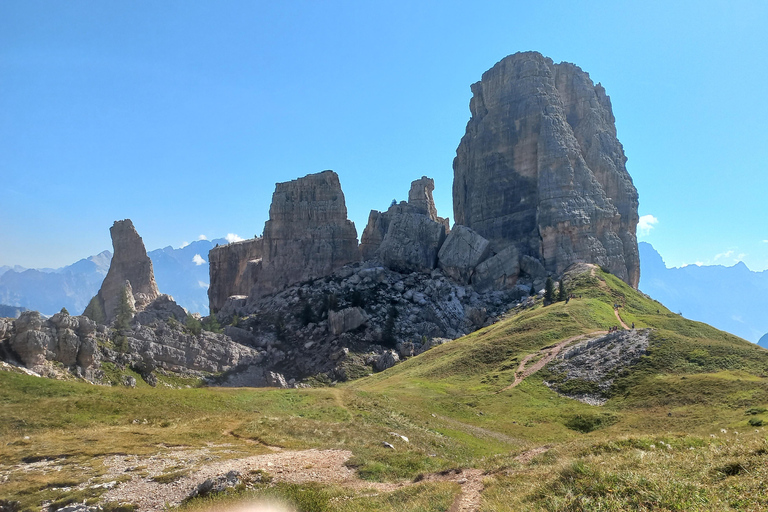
x: 452, y: 404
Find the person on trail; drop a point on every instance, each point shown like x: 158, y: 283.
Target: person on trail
x: 633, y: 325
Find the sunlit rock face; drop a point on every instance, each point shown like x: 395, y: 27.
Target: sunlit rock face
x: 308, y: 234
x: 540, y: 168
x: 130, y: 269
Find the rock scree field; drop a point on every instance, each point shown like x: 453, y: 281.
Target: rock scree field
x: 680, y: 428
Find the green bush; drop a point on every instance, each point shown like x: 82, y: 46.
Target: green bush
x: 586, y: 423
x: 193, y: 325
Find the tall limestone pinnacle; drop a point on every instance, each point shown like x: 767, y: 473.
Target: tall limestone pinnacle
x: 540, y: 168
x: 130, y: 272
x: 308, y: 234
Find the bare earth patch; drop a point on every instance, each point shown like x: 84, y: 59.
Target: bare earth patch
x: 322, y: 466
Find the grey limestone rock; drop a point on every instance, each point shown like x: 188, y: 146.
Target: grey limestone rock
x: 163, y: 308
x: 307, y: 235
x: 234, y: 269
x: 386, y: 360
x: 462, y: 251
x: 420, y: 202
x: 348, y: 319
x: 540, y: 168
x: 497, y: 272
x: 412, y: 243
x: 131, y: 264
x: 69, y: 340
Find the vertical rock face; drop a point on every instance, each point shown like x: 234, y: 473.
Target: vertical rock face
x: 130, y: 264
x: 307, y: 235
x: 540, y: 168
x: 408, y: 236
x: 234, y: 269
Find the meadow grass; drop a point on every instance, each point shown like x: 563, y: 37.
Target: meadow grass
x: 452, y: 404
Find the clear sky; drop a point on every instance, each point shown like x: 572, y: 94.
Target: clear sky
x: 182, y: 115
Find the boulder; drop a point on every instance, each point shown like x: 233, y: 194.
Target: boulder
x: 347, y: 319
x: 386, y: 360
x: 540, y: 168
x: 412, y: 243
x: 462, y: 251
x: 32, y: 341
x: 163, y: 308
x: 497, y: 272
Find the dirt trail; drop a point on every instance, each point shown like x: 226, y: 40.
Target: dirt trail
x: 616, y: 312
x: 547, y: 354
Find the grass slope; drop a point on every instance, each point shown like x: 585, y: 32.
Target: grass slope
x: 650, y: 447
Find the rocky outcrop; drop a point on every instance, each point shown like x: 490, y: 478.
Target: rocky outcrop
x: 155, y: 339
x: 307, y: 235
x: 595, y: 363
x: 411, y: 243
x: 234, y: 269
x: 540, y: 168
x: 336, y: 327
x: 130, y: 264
x: 70, y: 340
x: 408, y: 236
x: 174, y: 349
x: 462, y: 251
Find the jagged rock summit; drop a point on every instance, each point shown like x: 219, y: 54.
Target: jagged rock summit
x: 130, y: 273
x: 540, y: 168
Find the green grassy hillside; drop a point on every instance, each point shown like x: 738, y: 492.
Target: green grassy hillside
x: 656, y: 444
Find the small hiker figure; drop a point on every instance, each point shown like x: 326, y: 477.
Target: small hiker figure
x: 633, y: 325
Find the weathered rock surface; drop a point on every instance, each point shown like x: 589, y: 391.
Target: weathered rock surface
x: 408, y: 236
x: 462, y: 251
x: 131, y: 264
x: 346, y: 320
x: 178, y: 351
x: 155, y: 339
x: 70, y: 340
x: 497, y: 272
x: 303, y: 332
x: 412, y: 243
x: 597, y: 362
x: 386, y: 360
x: 540, y: 168
x: 307, y: 235
x: 234, y: 269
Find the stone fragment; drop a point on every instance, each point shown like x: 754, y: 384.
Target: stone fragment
x: 462, y: 251
x: 347, y: 319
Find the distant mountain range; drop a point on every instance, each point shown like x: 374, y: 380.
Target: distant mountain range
x: 734, y: 299
x: 177, y: 272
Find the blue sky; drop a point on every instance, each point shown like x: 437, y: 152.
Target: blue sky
x: 181, y: 115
